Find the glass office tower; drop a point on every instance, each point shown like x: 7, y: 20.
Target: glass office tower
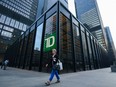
x: 15, y: 17
x: 57, y: 28
x: 87, y: 12
x: 44, y: 5
x: 111, y: 47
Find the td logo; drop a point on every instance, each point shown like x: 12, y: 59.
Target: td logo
x: 50, y: 42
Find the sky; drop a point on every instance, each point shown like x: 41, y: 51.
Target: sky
x: 108, y: 13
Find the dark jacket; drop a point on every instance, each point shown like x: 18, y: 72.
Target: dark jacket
x: 53, y: 60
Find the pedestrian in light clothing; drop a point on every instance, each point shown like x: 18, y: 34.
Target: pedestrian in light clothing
x: 54, y: 60
x: 4, y: 64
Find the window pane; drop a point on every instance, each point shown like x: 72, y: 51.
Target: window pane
x: 7, y: 20
x: 75, y: 21
x: 85, y: 50
x: 20, y: 26
x: 38, y: 37
x: 2, y: 19
x: 66, y: 53
x: 1, y: 25
x: 8, y: 28
x: 6, y: 34
x: 19, y: 53
x: 82, y: 29
x: 12, y: 22
x: 23, y: 51
x: 29, y: 49
x: 37, y: 48
x: 90, y: 52
x: 24, y: 27
x: 77, y: 46
x: 50, y: 31
x: 16, y: 24
x: 94, y: 56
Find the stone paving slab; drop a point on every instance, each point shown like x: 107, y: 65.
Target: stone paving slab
x: 13, y: 77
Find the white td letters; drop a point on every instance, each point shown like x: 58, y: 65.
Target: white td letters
x: 48, y: 40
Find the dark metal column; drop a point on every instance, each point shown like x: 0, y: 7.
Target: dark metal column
x: 57, y: 29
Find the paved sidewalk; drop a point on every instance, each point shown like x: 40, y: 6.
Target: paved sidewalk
x: 13, y: 77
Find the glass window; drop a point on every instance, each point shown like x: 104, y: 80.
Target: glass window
x: 77, y: 46
x: 22, y: 33
x: 7, y: 21
x: 49, y: 39
x: 8, y: 28
x: 2, y: 18
x: 75, y: 21
x: 20, y: 26
x: 19, y: 53
x: 66, y: 53
x: 12, y: 22
x: 16, y: 24
x: 87, y: 33
x: 94, y: 57
x: 96, y: 53
x: 32, y: 27
x: 85, y: 54
x: 28, y: 61
x: 51, y: 11
x: 1, y: 25
x: 6, y: 34
x: 37, y: 47
x: 90, y: 52
x: 38, y: 37
x: 64, y: 11
x: 24, y: 27
x: 40, y: 20
x: 23, y: 53
x: 82, y: 29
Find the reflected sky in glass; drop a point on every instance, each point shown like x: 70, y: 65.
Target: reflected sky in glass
x: 38, y: 37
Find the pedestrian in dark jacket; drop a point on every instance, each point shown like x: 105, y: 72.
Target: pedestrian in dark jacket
x: 54, y: 61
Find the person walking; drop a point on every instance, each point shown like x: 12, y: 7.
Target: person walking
x: 53, y: 61
x: 4, y: 64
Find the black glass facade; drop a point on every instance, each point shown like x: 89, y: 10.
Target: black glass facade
x: 15, y: 17
x: 57, y: 28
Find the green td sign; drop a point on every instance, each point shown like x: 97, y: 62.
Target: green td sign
x: 50, y: 42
